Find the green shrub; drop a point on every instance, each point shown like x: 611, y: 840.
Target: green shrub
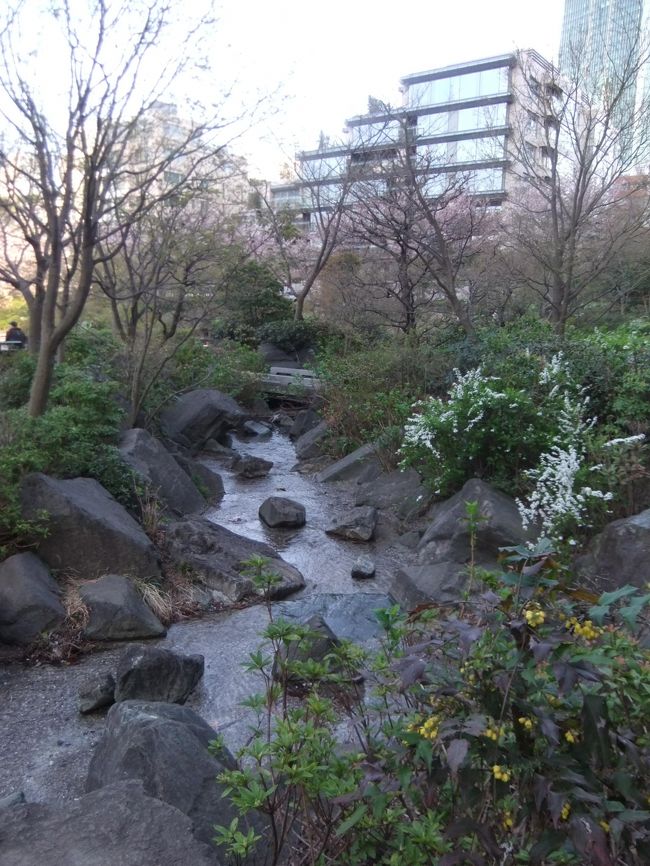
x: 369, y: 392
x: 292, y: 336
x: 229, y: 367
x: 77, y: 436
x: 16, y: 372
x: 511, y: 731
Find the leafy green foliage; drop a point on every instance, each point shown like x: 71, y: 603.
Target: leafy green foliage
x: 513, y: 731
x: 16, y: 371
x: 252, y: 296
x: 77, y: 436
x: 369, y: 393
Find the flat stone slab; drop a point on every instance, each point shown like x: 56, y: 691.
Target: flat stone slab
x: 350, y: 616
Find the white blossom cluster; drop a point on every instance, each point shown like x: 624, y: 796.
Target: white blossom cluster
x: 554, y: 499
x: 623, y: 442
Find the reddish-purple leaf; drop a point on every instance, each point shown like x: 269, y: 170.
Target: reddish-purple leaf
x: 456, y: 754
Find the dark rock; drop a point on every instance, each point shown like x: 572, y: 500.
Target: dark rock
x: 260, y: 408
x: 95, y: 695
x: 363, y: 461
x: 400, y: 491
x: 311, y: 444
x: 29, y: 599
x: 14, y: 799
x: 154, y: 674
x: 282, y: 420
x: 355, y: 524
x: 116, y: 825
x: 304, y: 421
x: 200, y: 415
x: 363, y: 568
x: 320, y: 642
x: 216, y: 556
x: 350, y: 616
x: 216, y: 449
x: 160, y: 472
x: 117, y: 610
x: 276, y: 357
x: 618, y: 555
x: 447, y: 536
x: 89, y: 532
x: 443, y: 582
x: 278, y: 511
x: 209, y: 482
x: 256, y: 430
x: 411, y: 539
x: 247, y: 466
x: 165, y: 748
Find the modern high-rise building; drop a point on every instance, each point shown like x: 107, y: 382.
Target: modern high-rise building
x: 601, y: 46
x: 459, y: 121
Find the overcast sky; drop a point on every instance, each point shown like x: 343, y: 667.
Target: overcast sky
x: 326, y: 57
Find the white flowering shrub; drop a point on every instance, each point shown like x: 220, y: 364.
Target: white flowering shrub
x: 494, y: 430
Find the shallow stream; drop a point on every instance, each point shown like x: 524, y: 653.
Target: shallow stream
x: 46, y: 745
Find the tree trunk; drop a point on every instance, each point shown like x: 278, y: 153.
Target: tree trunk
x: 298, y: 313
x: 41, y: 382
x: 35, y: 325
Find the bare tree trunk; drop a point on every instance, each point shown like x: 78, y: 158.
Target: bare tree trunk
x: 41, y: 382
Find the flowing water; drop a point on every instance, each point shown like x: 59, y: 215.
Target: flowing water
x: 45, y: 744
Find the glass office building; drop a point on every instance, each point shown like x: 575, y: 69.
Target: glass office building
x: 456, y: 119
x: 600, y: 44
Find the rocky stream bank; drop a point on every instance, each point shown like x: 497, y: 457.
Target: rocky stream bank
x: 138, y: 786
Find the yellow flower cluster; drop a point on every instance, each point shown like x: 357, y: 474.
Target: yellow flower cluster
x: 566, y: 811
x: 492, y: 732
x: 572, y: 736
x: 586, y: 629
x: 554, y: 701
x: 429, y: 728
x: 502, y: 774
x: 526, y: 723
x: 534, y: 616
x: 604, y: 825
x: 507, y: 821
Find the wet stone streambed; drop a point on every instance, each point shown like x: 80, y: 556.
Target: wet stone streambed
x: 46, y: 745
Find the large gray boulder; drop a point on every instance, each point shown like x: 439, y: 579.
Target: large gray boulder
x: 355, y: 524
x: 88, y: 532
x: 165, y: 747
x: 400, y: 491
x: 311, y: 444
x: 216, y: 556
x: 317, y: 646
x: 156, y: 674
x: 443, y: 552
x: 363, y: 462
x: 200, y: 415
x: 278, y: 511
x: 118, y: 824
x: 117, y: 610
x: 618, y: 555
x: 206, y: 479
x: 160, y: 473
x: 443, y: 582
x: 29, y: 599
x: 304, y: 421
x: 448, y: 538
